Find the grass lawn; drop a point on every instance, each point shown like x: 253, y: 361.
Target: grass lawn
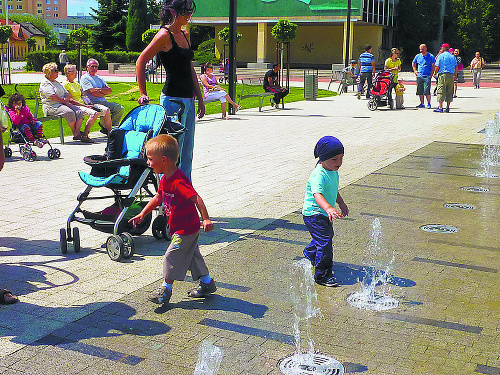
x: 127, y: 93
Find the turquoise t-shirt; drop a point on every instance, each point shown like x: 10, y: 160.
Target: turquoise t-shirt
x: 324, y: 182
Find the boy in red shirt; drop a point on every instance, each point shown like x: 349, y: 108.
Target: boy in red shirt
x: 180, y: 201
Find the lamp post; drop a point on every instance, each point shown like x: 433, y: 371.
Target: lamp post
x: 348, y: 36
x: 232, y: 50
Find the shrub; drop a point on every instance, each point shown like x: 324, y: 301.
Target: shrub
x: 206, y: 52
x: 133, y: 56
x: 117, y: 56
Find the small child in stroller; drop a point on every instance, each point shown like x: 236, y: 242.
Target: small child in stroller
x: 23, y: 120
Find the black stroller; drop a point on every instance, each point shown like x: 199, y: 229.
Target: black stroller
x: 381, y: 91
x: 125, y: 172
x: 17, y: 136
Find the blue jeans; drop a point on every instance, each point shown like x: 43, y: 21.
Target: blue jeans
x: 320, y: 249
x: 186, y: 140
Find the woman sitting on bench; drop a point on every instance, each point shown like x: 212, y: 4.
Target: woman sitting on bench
x: 212, y: 91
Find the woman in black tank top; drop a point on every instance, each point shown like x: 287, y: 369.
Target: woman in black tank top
x: 173, y: 48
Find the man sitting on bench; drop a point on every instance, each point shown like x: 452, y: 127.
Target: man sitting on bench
x: 350, y: 75
x: 271, y: 85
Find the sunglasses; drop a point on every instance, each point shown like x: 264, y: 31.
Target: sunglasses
x: 93, y: 66
x: 55, y: 70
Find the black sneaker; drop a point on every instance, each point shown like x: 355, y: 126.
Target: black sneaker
x: 104, y: 131
x: 161, y: 296
x: 202, y: 289
x: 328, y: 281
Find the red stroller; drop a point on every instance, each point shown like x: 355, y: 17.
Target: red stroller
x: 381, y: 92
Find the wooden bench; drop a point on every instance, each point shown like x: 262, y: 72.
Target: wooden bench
x: 253, y: 82
x: 345, y: 82
x: 336, y: 77
x: 44, y: 118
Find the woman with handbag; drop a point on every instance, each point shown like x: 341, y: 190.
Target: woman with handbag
x: 212, y: 91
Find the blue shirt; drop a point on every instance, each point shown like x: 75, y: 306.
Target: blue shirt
x: 446, y: 63
x: 366, y: 59
x: 89, y: 82
x: 424, y: 64
x: 324, y: 182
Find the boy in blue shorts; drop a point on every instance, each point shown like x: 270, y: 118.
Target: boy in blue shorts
x: 181, y: 203
x: 318, y: 210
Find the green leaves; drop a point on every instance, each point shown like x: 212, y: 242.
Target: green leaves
x: 284, y: 31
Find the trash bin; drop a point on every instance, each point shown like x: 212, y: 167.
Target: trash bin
x: 311, y: 84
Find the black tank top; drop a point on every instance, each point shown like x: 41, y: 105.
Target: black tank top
x: 177, y: 64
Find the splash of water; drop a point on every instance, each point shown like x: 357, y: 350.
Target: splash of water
x: 209, y: 359
x: 376, y: 275
x: 490, y: 156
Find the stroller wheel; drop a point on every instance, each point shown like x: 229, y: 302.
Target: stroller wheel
x: 372, y: 105
x: 76, y: 239
x: 32, y: 156
x: 159, y: 226
x: 221, y: 79
x: 129, y: 247
x: 57, y: 153
x: 115, y: 247
x: 62, y: 240
x: 7, y: 152
x: 51, y: 154
x: 26, y: 155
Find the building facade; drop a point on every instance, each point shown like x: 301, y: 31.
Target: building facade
x: 20, y: 34
x: 47, y: 9
x: 321, y: 34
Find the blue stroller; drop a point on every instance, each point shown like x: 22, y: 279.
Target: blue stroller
x: 123, y: 170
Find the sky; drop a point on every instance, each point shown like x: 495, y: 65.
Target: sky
x: 81, y: 6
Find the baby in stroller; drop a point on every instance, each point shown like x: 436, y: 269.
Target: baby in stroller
x: 22, y: 119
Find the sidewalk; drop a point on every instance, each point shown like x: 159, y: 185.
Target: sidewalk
x: 90, y: 313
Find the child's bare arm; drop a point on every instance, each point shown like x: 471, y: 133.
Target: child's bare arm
x: 343, y: 207
x: 323, y: 203
x: 152, y: 204
x: 200, y: 205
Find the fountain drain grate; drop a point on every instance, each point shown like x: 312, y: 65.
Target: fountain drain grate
x: 459, y: 206
x: 438, y: 228
x: 475, y: 189
x: 306, y: 364
x: 377, y: 302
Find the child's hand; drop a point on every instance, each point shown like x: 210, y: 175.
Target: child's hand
x: 136, y: 220
x: 208, y: 225
x: 344, y: 209
x: 333, y: 214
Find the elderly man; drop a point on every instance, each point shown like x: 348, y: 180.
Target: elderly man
x: 446, y: 72
x: 96, y: 89
x: 423, y: 65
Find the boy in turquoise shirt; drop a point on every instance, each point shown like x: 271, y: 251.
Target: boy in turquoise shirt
x: 318, y: 210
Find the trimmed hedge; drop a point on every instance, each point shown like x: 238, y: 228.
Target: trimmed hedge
x: 37, y: 59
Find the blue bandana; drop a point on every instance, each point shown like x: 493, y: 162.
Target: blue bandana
x: 328, y: 147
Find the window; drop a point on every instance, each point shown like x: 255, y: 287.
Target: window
x: 1, y: 4
x: 55, y: 9
x: 19, y: 7
x: 39, y: 5
x: 56, y: 15
x: 39, y: 11
x: 56, y: 1
x: 47, y: 15
x: 47, y: 1
x: 47, y: 9
x: 10, y: 7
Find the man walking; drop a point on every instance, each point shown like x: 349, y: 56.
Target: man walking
x: 476, y: 66
x: 96, y: 89
x: 423, y: 66
x: 446, y: 72
x: 366, y: 69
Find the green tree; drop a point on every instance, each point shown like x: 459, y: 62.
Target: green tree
x: 153, y: 16
x: 148, y: 35
x: 31, y: 42
x: 5, y: 34
x: 417, y: 23
x: 284, y: 31
x: 136, y: 25
x: 474, y: 25
x: 200, y: 34
x: 224, y: 35
x: 110, y: 31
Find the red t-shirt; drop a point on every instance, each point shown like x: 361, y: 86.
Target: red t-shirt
x: 181, y: 212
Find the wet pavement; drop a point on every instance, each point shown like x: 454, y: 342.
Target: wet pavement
x: 85, y: 314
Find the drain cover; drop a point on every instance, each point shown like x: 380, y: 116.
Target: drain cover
x: 315, y: 364
x: 438, y: 228
x: 459, y: 206
x: 475, y: 189
x: 377, y: 302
